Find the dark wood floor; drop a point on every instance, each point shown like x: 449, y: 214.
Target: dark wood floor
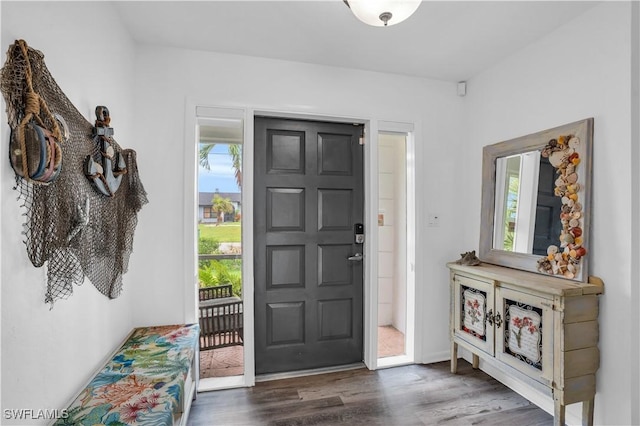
x: 410, y: 395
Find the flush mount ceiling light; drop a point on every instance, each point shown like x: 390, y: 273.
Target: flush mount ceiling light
x: 382, y: 12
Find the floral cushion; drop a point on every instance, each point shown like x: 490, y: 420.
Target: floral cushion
x: 143, y: 384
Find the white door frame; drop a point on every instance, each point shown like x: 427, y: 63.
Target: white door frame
x: 371, y: 160
x: 194, y: 107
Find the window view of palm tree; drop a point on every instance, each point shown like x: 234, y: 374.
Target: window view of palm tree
x: 219, y: 215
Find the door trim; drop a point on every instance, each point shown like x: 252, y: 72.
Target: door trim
x: 195, y: 113
x: 372, y: 127
x: 371, y: 269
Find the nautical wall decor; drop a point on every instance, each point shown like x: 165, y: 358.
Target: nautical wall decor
x: 105, y: 174
x: 77, y: 231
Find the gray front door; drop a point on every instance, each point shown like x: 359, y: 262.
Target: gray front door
x: 308, y: 197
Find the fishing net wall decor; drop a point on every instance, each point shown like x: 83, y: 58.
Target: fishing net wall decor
x: 70, y: 225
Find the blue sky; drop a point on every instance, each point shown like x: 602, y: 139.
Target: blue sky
x: 221, y: 176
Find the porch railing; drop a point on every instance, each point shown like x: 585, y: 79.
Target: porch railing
x: 220, y: 312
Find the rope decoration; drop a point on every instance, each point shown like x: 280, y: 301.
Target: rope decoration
x: 44, y: 143
x: 78, y: 232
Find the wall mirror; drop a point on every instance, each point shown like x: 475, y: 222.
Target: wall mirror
x: 535, y: 201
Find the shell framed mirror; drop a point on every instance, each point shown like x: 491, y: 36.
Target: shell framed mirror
x: 536, y: 195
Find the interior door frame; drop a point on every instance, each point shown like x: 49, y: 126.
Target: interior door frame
x: 412, y: 354
x: 370, y: 285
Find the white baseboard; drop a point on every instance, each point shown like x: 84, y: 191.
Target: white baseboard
x: 436, y: 357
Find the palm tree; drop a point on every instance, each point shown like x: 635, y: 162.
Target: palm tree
x: 235, y: 151
x: 221, y: 206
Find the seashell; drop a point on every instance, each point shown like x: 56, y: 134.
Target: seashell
x: 566, y: 238
x: 566, y: 209
x: 581, y: 251
x: 567, y: 201
x: 572, y: 268
x: 552, y: 249
x: 556, y: 158
x: 570, y: 168
x: 577, y: 207
x: 572, y: 178
x: 578, y: 241
x: 576, y: 215
x: 568, y: 274
x: 572, y: 155
x: 574, y: 223
x: 576, y: 231
x: 560, y: 182
x: 558, y: 257
x: 573, y: 253
x: 574, y: 142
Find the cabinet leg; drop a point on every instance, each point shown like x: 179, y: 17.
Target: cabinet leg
x: 558, y: 413
x: 587, y: 412
x: 475, y: 361
x: 454, y: 357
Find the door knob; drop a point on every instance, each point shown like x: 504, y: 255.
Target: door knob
x: 356, y: 257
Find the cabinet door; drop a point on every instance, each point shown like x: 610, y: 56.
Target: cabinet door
x: 473, y: 306
x: 524, y: 337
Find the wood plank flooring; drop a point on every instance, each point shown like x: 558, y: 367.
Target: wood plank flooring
x: 409, y: 395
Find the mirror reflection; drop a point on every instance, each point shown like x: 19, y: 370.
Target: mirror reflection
x: 535, y: 201
x: 526, y: 210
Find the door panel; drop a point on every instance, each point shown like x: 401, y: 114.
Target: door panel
x: 308, y: 197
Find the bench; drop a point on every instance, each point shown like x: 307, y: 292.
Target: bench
x: 151, y: 379
x: 221, y: 321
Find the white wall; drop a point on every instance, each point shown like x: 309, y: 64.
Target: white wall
x: 635, y: 209
x: 581, y: 70
x: 166, y: 77
x: 47, y: 355
x: 392, y: 236
x: 386, y: 232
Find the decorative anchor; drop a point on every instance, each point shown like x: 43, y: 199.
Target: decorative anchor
x: 106, y: 177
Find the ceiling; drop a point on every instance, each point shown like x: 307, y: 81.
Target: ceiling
x: 445, y: 40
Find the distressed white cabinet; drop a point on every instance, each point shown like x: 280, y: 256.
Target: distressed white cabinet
x: 539, y: 329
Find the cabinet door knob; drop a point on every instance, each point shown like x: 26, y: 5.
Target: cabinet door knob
x: 489, y: 317
x: 498, y: 320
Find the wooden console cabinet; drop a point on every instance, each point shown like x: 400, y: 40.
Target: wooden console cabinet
x: 538, y: 329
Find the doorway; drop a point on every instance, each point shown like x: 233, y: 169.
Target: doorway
x: 219, y: 247
x: 308, y: 202
x: 395, y: 282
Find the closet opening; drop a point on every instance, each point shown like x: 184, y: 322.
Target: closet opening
x: 395, y: 251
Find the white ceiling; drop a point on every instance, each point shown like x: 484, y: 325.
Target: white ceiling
x: 446, y: 40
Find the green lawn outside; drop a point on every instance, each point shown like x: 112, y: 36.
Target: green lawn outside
x: 229, y: 232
